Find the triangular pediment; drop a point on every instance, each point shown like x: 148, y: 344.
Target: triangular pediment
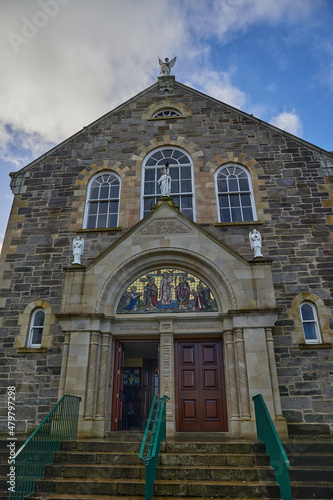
x: 168, y: 228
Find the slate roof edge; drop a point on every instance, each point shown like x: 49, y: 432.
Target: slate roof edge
x: 257, y: 120
x: 84, y: 129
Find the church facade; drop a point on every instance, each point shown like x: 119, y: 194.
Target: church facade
x: 175, y: 246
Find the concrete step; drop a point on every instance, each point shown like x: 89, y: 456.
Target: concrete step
x: 57, y: 496
x: 92, y: 446
x: 97, y: 458
x: 212, y: 488
x: 194, y: 460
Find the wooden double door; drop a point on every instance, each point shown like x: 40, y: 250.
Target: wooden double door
x: 200, y: 387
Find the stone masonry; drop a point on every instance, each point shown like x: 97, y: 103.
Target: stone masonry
x: 293, y: 190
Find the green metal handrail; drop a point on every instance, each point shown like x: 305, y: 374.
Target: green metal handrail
x: 38, y: 450
x: 266, y: 432
x: 150, y: 447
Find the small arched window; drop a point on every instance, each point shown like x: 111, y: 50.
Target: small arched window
x: 180, y: 168
x: 234, y: 194
x: 165, y: 113
x: 102, y: 208
x: 36, y: 328
x: 310, y: 323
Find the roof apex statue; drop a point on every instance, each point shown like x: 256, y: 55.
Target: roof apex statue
x: 166, y: 65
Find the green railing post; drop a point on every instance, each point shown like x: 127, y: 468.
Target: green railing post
x: 38, y: 450
x: 266, y: 432
x: 156, y: 427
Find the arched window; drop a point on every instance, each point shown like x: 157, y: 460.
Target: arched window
x: 180, y: 168
x: 165, y: 113
x: 310, y: 323
x: 36, y: 328
x: 234, y: 194
x: 103, y: 201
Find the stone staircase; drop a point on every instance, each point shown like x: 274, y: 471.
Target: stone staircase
x: 192, y: 465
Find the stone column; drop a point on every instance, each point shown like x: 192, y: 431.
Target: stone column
x: 273, y: 372
x: 167, y: 378
x: 91, y: 379
x: 102, y: 377
x: 243, y: 384
x: 232, y: 375
x: 65, y: 349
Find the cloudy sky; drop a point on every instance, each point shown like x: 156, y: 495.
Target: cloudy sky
x: 65, y: 63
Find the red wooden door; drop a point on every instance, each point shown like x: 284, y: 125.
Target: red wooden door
x: 200, y: 387
x: 117, y: 388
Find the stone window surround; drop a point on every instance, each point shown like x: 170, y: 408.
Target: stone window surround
x: 324, y: 317
x: 24, y: 321
x: 253, y: 204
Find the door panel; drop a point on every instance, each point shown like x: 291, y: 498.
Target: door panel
x: 200, y: 387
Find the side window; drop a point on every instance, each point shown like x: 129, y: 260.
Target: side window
x: 310, y: 323
x: 180, y: 168
x: 36, y: 328
x: 234, y: 194
x: 102, y: 208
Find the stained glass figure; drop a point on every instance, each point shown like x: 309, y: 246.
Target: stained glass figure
x: 166, y: 290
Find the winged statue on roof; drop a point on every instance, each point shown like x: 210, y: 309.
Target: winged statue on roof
x: 166, y: 65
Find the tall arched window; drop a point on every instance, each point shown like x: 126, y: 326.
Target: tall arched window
x: 36, y: 328
x: 180, y: 168
x: 102, y: 208
x: 234, y: 194
x: 310, y: 323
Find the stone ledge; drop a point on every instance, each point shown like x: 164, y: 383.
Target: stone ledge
x: 100, y: 230
x: 27, y: 350
x: 324, y: 345
x: 166, y: 118
x: 242, y: 223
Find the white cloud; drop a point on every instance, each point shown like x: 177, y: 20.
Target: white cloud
x: 222, y: 17
x: 218, y: 85
x: 288, y: 121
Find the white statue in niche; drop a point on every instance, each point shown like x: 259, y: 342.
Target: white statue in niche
x: 166, y: 66
x: 78, y: 247
x: 165, y: 181
x: 255, y: 243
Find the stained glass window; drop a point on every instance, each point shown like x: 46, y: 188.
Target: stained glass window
x: 103, y: 201
x: 167, y: 290
x: 234, y: 194
x: 180, y: 168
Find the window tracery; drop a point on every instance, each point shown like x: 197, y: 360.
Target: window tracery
x: 180, y: 169
x: 234, y: 194
x: 102, y: 208
x: 166, y: 113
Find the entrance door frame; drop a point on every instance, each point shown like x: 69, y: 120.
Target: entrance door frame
x: 117, y: 388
